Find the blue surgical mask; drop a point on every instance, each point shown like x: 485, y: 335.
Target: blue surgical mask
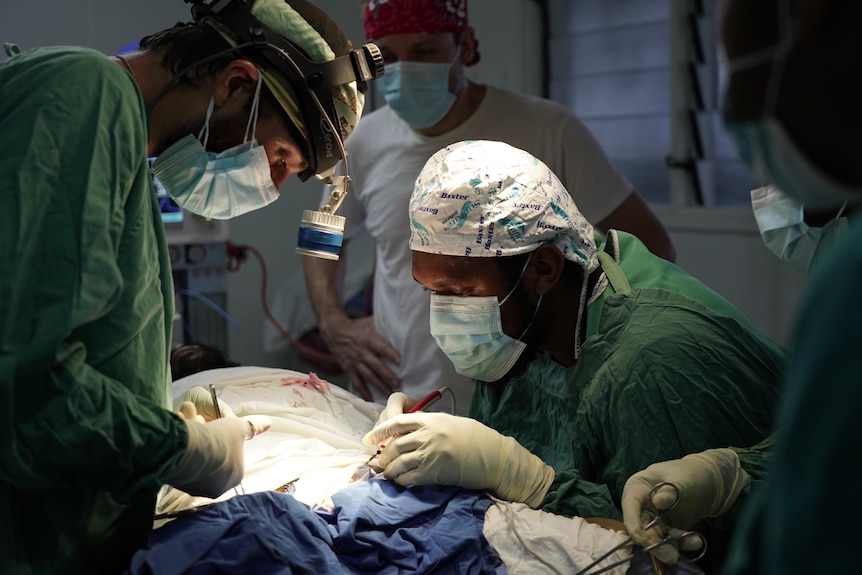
x: 418, y: 92
x: 219, y: 186
x: 780, y: 219
x: 766, y: 147
x: 469, y: 330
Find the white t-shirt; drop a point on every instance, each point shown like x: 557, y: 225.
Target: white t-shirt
x: 384, y: 159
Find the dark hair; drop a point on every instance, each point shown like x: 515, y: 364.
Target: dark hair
x: 186, y: 44
x: 190, y: 358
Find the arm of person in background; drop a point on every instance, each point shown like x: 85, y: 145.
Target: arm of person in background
x: 355, y: 343
x: 635, y: 216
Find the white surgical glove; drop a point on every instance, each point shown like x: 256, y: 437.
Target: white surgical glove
x: 213, y: 461
x: 203, y: 401
x: 709, y: 484
x: 443, y: 449
x: 187, y: 410
x: 397, y: 404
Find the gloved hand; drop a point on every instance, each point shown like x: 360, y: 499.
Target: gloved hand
x: 213, y: 461
x: 397, y: 404
x: 709, y: 484
x: 443, y: 449
x: 203, y: 401
x: 187, y: 410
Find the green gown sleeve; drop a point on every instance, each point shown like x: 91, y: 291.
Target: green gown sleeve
x: 85, y: 286
x: 573, y: 496
x: 755, y: 460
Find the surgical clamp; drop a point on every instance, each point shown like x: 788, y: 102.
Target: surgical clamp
x: 668, y: 538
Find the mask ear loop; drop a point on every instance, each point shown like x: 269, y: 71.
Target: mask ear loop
x: 520, y: 277
x: 463, y: 72
x: 785, y: 43
x: 205, y: 131
x: 777, y: 55
x: 535, y: 313
x: 255, y: 107
x: 517, y: 283
x: 841, y: 211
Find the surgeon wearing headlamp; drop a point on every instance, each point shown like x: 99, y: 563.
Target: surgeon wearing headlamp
x: 88, y: 432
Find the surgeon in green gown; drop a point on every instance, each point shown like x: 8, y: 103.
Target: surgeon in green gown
x: 87, y: 438
x: 592, y: 357
x: 792, y: 111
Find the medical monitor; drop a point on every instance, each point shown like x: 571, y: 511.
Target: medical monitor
x: 171, y: 212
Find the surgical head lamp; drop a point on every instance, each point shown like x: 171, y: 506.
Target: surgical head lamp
x: 320, y: 232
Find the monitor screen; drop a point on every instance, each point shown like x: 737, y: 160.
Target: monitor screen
x: 171, y: 212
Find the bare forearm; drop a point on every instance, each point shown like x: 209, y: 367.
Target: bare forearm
x: 636, y: 217
x: 323, y: 286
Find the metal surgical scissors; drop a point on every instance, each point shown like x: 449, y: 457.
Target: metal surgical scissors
x: 676, y: 539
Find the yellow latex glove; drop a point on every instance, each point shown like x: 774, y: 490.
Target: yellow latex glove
x: 213, y: 461
x: 396, y: 404
x: 443, y: 449
x: 203, y: 402
x: 709, y: 484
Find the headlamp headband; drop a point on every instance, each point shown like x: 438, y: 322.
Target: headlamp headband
x: 312, y: 81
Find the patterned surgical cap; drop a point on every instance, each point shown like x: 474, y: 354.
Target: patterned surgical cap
x: 486, y: 199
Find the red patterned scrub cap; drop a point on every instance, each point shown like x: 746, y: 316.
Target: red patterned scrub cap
x: 384, y: 17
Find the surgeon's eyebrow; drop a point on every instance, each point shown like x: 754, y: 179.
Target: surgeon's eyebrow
x: 420, y: 283
x: 441, y: 283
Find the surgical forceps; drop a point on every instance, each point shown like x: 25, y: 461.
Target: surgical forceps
x: 676, y: 539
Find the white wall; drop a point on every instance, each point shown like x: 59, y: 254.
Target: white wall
x: 105, y: 25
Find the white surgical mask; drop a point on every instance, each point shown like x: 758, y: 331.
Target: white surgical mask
x: 766, y: 147
x: 469, y: 330
x: 780, y: 219
x: 219, y: 186
x: 418, y: 92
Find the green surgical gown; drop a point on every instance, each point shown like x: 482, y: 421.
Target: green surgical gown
x: 86, y: 301
x: 666, y: 369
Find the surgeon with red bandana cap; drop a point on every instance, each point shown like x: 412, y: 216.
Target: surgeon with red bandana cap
x: 428, y: 46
